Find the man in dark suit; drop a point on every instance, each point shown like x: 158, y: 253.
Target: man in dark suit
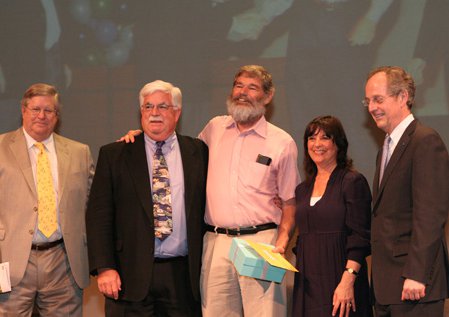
x: 144, y: 245
x: 410, y: 203
x: 42, y: 229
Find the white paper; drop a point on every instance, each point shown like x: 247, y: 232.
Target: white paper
x: 5, y: 280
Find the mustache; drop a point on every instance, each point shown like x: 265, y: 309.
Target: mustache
x: 155, y: 118
x: 243, y: 97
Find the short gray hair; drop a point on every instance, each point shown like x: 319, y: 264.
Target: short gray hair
x: 160, y: 85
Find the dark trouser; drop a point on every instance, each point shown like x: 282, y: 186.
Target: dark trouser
x: 169, y: 295
x: 410, y: 309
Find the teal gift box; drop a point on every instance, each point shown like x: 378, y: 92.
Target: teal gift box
x: 249, y: 263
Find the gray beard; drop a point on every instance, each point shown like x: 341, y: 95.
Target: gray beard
x: 245, y: 114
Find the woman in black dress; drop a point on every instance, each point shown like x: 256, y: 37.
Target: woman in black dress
x: 333, y: 210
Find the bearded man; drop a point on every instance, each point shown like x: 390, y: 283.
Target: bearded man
x: 251, y: 161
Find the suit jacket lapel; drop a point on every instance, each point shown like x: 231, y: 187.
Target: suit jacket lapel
x: 394, y: 159
x: 377, y: 175
x: 136, y: 161
x: 63, y: 155
x: 19, y: 149
x: 189, y: 165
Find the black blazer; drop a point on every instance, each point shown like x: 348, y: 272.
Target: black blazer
x: 410, y: 208
x: 120, y: 226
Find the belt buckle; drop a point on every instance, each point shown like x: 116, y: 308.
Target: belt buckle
x: 237, y: 229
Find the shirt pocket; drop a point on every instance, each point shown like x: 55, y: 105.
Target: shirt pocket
x: 257, y: 176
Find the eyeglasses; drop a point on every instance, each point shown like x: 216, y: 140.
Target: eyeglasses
x: 378, y: 100
x: 161, y: 107
x: 35, y: 111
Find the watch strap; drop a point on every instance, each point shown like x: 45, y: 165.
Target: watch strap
x: 351, y: 271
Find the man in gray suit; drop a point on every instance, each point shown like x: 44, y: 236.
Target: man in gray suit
x: 42, y: 228
x: 410, y: 203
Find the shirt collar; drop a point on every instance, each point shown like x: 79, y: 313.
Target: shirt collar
x: 260, y: 127
x: 397, y: 133
x: 168, y: 145
x: 48, y: 142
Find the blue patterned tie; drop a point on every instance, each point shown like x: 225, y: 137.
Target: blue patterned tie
x: 163, y: 224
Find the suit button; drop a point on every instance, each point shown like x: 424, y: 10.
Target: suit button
x: 35, y: 209
x: 31, y: 231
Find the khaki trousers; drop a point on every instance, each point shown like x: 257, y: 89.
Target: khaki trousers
x: 48, y: 283
x: 226, y: 294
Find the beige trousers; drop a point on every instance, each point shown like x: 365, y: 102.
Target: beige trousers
x: 48, y: 283
x: 226, y: 294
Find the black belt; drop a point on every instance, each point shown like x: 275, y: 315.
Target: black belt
x: 172, y: 259
x: 46, y: 245
x: 241, y: 230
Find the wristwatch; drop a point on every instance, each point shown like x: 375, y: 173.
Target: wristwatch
x: 351, y: 271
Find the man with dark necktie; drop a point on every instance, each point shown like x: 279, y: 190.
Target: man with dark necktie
x: 145, y: 214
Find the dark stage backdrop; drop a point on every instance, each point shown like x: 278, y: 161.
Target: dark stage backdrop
x: 99, y: 53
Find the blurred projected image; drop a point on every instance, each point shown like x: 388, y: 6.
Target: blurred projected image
x: 104, y: 32
x: 430, y: 62
x: 100, y: 51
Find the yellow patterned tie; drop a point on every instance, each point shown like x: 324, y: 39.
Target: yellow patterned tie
x: 45, y: 193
